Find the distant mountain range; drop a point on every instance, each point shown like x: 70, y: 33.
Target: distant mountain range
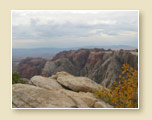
x: 48, y: 53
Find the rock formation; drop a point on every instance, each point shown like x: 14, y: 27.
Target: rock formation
x: 62, y: 90
x: 102, y: 66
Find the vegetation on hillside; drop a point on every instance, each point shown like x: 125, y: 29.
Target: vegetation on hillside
x: 124, y: 92
x: 17, y: 79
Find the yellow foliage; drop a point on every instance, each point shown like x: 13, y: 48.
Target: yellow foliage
x: 124, y: 92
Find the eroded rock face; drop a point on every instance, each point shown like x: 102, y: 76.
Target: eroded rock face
x: 29, y: 67
x: 62, y: 90
x: 62, y: 64
x: 101, y: 66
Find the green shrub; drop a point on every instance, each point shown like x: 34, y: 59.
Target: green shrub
x: 17, y: 79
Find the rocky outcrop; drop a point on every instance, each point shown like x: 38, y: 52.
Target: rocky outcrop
x: 29, y: 67
x: 77, y: 84
x: 62, y: 90
x: 101, y: 66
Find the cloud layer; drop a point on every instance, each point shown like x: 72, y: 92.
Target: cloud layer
x: 74, y: 28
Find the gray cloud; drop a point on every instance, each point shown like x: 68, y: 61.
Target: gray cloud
x: 74, y: 28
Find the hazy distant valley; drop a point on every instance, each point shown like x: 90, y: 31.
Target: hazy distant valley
x: 48, y: 53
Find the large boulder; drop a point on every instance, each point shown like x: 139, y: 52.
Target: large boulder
x: 77, y: 84
x: 46, y: 83
x: 29, y: 96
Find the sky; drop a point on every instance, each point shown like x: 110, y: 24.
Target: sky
x: 73, y: 28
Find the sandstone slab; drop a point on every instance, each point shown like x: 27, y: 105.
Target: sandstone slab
x: 77, y: 84
x: 29, y: 96
x: 46, y: 83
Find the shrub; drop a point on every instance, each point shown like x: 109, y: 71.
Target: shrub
x: 17, y: 79
x: 124, y: 92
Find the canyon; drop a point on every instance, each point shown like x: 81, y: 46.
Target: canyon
x: 101, y: 66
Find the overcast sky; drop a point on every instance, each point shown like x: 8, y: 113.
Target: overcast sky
x: 76, y: 28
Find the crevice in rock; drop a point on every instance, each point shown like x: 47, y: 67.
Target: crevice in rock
x: 65, y: 87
